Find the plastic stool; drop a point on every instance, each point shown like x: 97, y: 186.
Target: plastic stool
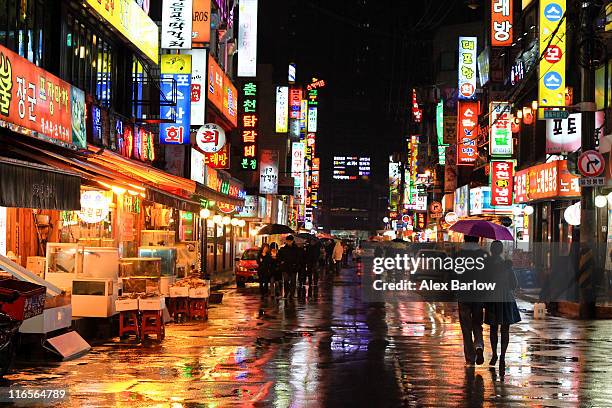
x: 198, y: 308
x: 181, y: 307
x: 128, y: 323
x: 152, y: 323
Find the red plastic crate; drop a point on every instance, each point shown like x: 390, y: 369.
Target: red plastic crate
x: 31, y: 300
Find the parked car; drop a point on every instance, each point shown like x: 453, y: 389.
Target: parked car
x: 246, y: 267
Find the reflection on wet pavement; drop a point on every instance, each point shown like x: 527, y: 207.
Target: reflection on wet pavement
x: 333, y: 350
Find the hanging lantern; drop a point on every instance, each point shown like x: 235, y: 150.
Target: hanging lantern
x: 527, y: 115
x: 515, y: 125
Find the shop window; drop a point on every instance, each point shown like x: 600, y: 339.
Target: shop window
x: 21, y: 28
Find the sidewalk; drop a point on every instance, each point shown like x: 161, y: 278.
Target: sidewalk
x: 603, y: 310
x: 219, y: 280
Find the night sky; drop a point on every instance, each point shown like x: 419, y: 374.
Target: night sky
x: 370, y: 53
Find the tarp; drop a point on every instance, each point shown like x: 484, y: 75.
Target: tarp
x: 29, y: 185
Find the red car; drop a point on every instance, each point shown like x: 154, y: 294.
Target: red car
x: 246, y: 267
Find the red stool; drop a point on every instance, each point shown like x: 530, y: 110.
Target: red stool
x: 128, y: 323
x: 152, y: 323
x: 198, y: 308
x: 181, y: 307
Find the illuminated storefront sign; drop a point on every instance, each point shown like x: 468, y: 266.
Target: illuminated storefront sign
x: 417, y: 113
x: 312, y: 119
x: 38, y: 101
x: 394, y: 185
x: 295, y: 103
x: 502, y: 180
x: 177, y: 67
x: 282, y: 109
x: 564, y: 135
x: 467, y: 67
x: 221, y: 92
x: 132, y: 22
x: 467, y: 132
x: 351, y: 168
x: 462, y: 201
x: 198, y: 166
x: 501, y: 23
x: 500, y: 128
x: 249, y: 209
x: 176, y: 31
x: 219, y: 159
x: 247, y: 38
x: 297, y: 160
x: 440, y: 132
x: 200, y: 25
x: 144, y: 144
x: 249, y: 127
x: 94, y: 206
x: 198, y: 86
x: 551, y: 85
x: 268, y: 172
x: 548, y: 180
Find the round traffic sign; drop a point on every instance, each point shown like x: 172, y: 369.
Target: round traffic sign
x: 591, y: 163
x: 435, y: 207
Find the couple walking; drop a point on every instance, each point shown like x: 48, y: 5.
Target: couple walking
x: 499, y: 311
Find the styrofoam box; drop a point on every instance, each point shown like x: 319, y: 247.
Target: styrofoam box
x: 122, y: 305
x: 152, y: 303
x: 179, y: 291
x: 199, y: 292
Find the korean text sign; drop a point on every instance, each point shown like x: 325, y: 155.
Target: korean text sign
x: 177, y: 18
x: 282, y: 109
x: 467, y: 67
x: 131, y: 21
x: 502, y: 179
x: 177, y: 67
x: 551, y: 86
x: 564, y: 135
x: 467, y: 132
x: 268, y: 172
x: 221, y: 92
x: 501, y: 23
x: 249, y: 126
x: 546, y: 180
x: 36, y: 100
x: 500, y: 128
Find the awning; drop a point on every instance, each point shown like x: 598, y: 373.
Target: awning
x: 31, y: 185
x: 207, y: 193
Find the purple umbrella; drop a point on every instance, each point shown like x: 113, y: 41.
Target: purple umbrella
x: 483, y: 229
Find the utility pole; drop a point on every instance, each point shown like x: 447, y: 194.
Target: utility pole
x: 588, y: 227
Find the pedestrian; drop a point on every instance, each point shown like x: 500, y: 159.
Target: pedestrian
x: 337, y: 255
x: 276, y: 275
x: 263, y: 269
x: 291, y: 258
x: 313, y: 251
x: 471, y: 311
x: 502, y: 311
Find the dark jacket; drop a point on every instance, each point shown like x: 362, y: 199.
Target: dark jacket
x: 291, y: 258
x: 264, y: 265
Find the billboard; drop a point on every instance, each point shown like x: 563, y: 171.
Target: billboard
x: 268, y: 172
x: 177, y: 16
x: 221, y: 92
x: 198, y: 86
x: 247, y: 38
x: 351, y: 168
x: 501, y: 23
x: 551, y: 85
x: 564, y: 135
x: 502, y: 182
x: 282, y: 109
x: 177, y: 67
x: 467, y: 67
x: 36, y: 100
x: 297, y: 159
x: 200, y: 23
x: 500, y: 129
x: 312, y: 119
x: 131, y: 22
x: 467, y: 132
x: 249, y: 126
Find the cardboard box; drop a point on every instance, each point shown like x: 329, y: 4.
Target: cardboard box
x: 152, y: 303
x: 179, y: 291
x: 201, y: 292
x: 122, y: 305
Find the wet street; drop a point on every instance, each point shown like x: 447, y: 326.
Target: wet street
x: 334, y: 350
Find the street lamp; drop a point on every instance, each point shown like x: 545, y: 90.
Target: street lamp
x: 204, y: 213
x: 601, y: 201
x: 226, y: 220
x: 386, y: 220
x: 217, y: 219
x: 528, y: 210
